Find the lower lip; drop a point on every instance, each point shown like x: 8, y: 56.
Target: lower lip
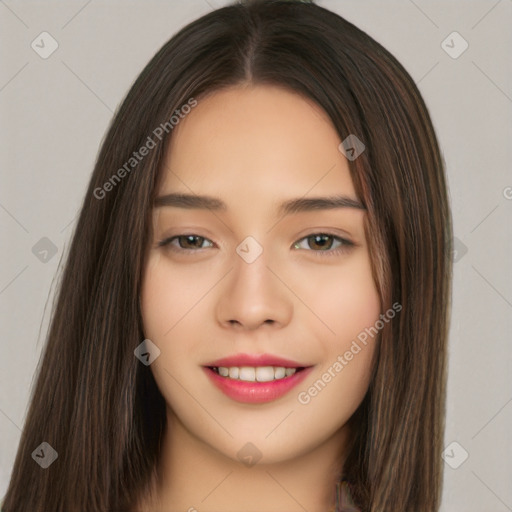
x: 256, y: 392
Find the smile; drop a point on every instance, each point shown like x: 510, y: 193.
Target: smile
x: 256, y: 385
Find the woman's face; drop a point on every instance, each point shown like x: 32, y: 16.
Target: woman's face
x: 252, y: 290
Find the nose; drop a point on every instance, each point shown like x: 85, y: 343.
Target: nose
x: 254, y: 295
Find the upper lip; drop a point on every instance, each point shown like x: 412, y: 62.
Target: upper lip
x: 255, y: 360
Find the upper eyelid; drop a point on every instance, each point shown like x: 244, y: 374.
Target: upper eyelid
x: 340, y: 238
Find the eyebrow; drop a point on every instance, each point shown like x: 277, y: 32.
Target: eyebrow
x: 291, y: 206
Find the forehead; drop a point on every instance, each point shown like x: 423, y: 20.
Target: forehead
x: 251, y: 142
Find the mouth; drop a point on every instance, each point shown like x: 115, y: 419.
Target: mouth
x: 257, y: 378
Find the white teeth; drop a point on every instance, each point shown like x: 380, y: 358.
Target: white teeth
x: 265, y: 373
x: 247, y: 373
x: 253, y: 374
x: 280, y: 372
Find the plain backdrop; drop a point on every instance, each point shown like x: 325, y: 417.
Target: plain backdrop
x: 54, y: 112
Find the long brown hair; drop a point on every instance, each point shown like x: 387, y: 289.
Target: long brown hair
x: 99, y: 407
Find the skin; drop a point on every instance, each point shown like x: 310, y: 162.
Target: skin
x: 254, y: 147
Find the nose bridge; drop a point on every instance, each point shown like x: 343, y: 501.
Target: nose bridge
x: 253, y: 294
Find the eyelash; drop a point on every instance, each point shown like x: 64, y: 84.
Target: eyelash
x: 344, y: 247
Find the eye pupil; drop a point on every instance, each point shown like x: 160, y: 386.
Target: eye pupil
x: 190, y: 240
x: 320, y: 240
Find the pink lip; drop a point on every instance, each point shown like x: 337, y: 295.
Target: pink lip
x: 255, y: 360
x: 256, y: 392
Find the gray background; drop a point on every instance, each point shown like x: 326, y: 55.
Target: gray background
x: 55, y: 112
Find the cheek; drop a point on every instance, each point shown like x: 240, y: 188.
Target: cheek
x: 167, y: 296
x: 154, y: 302
x: 348, y: 305
x: 345, y: 300
x: 356, y: 303
x: 171, y: 305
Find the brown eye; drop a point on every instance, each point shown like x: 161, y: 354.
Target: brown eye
x: 185, y: 242
x: 324, y: 242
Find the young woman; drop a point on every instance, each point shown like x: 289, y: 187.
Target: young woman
x: 254, y: 311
